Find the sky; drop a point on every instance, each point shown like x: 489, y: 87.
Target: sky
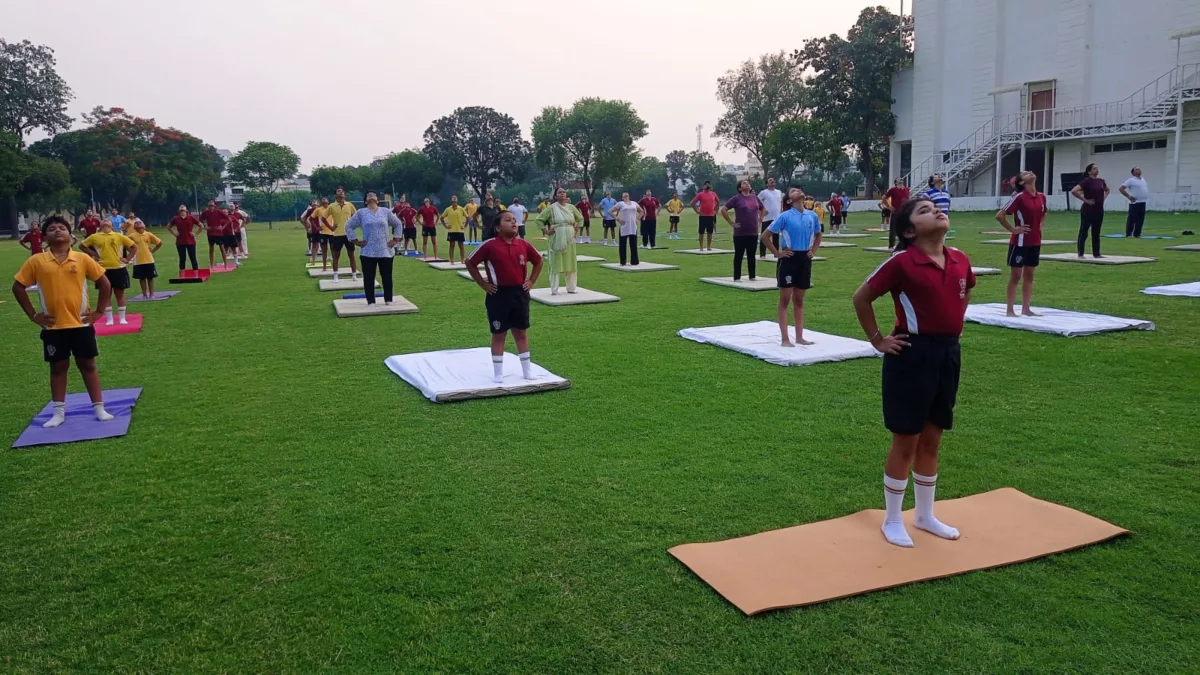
x: 342, y: 82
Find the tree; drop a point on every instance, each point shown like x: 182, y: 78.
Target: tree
x: 702, y: 167
x: 757, y: 97
x: 260, y: 166
x: 32, y: 96
x: 648, y: 173
x: 593, y: 141
x: 284, y: 206
x: 411, y: 172
x: 805, y: 141
x: 676, y: 161
x: 479, y: 144
x: 123, y: 160
x: 853, y: 80
x: 325, y: 180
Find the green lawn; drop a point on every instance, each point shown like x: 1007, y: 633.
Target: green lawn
x: 283, y: 503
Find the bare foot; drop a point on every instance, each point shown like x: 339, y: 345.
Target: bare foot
x: 802, y: 341
x: 1029, y: 312
x: 786, y: 343
x: 1010, y: 312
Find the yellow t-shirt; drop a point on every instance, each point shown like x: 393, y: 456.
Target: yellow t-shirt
x: 820, y: 211
x: 470, y: 208
x: 339, y: 214
x: 62, y: 287
x: 320, y: 214
x: 456, y: 218
x: 543, y: 206
x: 109, y: 246
x: 500, y: 206
x: 674, y: 207
x: 144, y: 241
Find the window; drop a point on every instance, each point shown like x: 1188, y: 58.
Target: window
x: 1143, y: 145
x: 1097, y: 149
x: 1160, y: 144
x: 238, y: 190
x: 1122, y: 147
x: 1156, y: 144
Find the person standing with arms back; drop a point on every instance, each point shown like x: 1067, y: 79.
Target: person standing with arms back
x: 674, y: 207
x: 521, y: 214
x: 1025, y: 245
x: 489, y: 217
x: 472, y: 222
x: 381, y: 230
x: 215, y: 223
x: 585, y: 209
x: 799, y: 232
x: 608, y: 222
x: 32, y: 241
x: 1137, y: 192
x: 90, y: 224
x: 106, y: 246
x: 454, y: 219
x: 429, y: 215
x: 845, y: 210
x: 772, y: 200
x: 629, y: 213
x: 707, y: 211
x: 1092, y: 191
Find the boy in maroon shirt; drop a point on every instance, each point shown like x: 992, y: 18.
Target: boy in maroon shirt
x: 1025, y: 244
x: 90, y: 224
x: 32, y: 241
x: 429, y: 214
x: 930, y: 284
x: 585, y: 208
x: 408, y: 216
x: 507, y: 286
x: 215, y: 224
x: 835, y: 212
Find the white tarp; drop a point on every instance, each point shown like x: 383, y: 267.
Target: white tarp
x: 461, y: 374
x: 1184, y: 247
x: 745, y: 283
x: 1105, y: 260
x: 642, y: 266
x: 1054, y: 321
x: 984, y: 271
x: 702, y: 251
x: 1191, y: 290
x: 581, y: 296
x: 358, y: 307
x: 346, y: 284
x: 836, y: 244
x: 448, y: 266
x: 1045, y: 242
x: 761, y: 340
x: 839, y: 235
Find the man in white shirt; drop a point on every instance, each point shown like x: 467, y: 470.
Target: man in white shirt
x: 1137, y: 192
x: 772, y: 201
x: 521, y: 214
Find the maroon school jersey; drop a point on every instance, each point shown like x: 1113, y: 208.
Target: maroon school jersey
x: 506, y: 261
x: 929, y: 300
x: 1029, y: 210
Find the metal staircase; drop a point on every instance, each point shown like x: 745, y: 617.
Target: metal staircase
x: 1151, y: 108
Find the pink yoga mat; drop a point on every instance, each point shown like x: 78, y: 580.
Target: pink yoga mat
x: 134, y: 326
x: 223, y: 268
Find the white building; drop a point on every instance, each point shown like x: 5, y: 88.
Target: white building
x: 1051, y: 86
x: 231, y: 193
x: 298, y: 184
x: 753, y: 166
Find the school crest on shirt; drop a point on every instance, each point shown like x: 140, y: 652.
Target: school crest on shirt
x: 495, y: 326
x: 962, y: 288
x: 521, y: 259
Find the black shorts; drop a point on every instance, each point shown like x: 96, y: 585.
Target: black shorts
x: 835, y: 219
x: 507, y: 308
x: 920, y: 384
x: 62, y: 344
x: 610, y: 224
x: 886, y: 213
x: 456, y: 236
x: 216, y: 240
x: 314, y: 237
x: 794, y: 272
x: 339, y: 241
x: 708, y: 224
x: 118, y: 278
x: 587, y: 223
x: 674, y: 220
x: 521, y: 231
x: 845, y: 216
x: 145, y: 271
x: 1024, y: 256
x: 410, y: 233
x: 428, y: 231
x: 232, y: 240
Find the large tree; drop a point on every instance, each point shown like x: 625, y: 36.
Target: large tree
x: 805, y: 141
x: 647, y: 173
x: 758, y: 96
x: 592, y: 141
x: 852, y: 84
x: 676, y: 161
x: 260, y: 166
x: 411, y: 172
x: 701, y: 167
x: 32, y: 96
x: 479, y: 144
x: 123, y: 160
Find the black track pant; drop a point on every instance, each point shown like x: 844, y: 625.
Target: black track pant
x: 1135, y: 220
x: 187, y: 251
x: 649, y: 233
x: 762, y: 248
x: 1090, y: 220
x: 743, y: 245
x: 369, y: 266
x: 629, y: 240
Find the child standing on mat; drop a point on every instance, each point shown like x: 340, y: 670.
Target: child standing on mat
x: 61, y: 276
x: 931, y: 286
x: 1025, y: 244
x: 429, y: 215
x: 110, y: 249
x: 799, y: 234
x: 183, y: 227
x: 507, y: 286
x: 147, y: 244
x: 454, y: 219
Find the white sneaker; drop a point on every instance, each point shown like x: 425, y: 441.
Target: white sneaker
x: 387, y: 303
x: 335, y: 278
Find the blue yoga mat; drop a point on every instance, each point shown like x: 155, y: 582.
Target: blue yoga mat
x: 354, y: 296
x: 1144, y: 236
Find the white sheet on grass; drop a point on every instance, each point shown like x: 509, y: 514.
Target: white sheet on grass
x: 761, y: 340
x: 839, y: 235
x: 1184, y: 247
x: 1045, y: 242
x: 448, y: 266
x: 1106, y: 260
x: 836, y: 244
x: 1191, y: 290
x: 1054, y: 321
x: 346, y: 284
x: 984, y: 271
x: 581, y: 296
x: 744, y: 284
x: 701, y: 251
x: 461, y: 374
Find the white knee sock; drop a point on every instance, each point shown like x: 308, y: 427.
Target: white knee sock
x: 497, y: 368
x: 924, y: 488
x: 108, y: 317
x: 60, y: 414
x: 893, y: 524
x: 101, y: 414
x: 121, y: 313
x: 525, y: 365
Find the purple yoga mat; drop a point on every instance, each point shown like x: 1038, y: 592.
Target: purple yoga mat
x: 81, y: 423
x: 158, y: 295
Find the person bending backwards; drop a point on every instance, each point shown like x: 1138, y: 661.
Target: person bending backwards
x: 507, y: 257
x: 931, y: 286
x: 106, y: 247
x: 66, y: 319
x: 1025, y: 244
x: 794, y: 238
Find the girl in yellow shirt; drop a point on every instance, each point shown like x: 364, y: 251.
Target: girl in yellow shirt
x: 143, y: 263
x: 674, y: 207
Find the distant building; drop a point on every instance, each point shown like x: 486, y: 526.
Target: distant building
x: 297, y: 184
x: 754, y: 168
x: 230, y: 193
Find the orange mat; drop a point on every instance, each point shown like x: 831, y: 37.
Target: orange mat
x: 818, y: 562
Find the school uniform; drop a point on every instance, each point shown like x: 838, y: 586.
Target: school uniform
x: 506, y: 263
x: 1028, y: 210
x: 62, y: 291
x: 795, y: 230
x: 143, y: 262
x: 920, y: 384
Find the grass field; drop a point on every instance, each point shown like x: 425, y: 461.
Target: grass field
x: 283, y: 503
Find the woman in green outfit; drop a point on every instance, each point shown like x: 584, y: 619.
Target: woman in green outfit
x: 560, y: 223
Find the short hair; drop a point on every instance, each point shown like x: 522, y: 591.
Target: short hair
x: 52, y: 220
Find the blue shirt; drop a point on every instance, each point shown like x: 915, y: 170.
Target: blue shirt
x: 117, y: 222
x: 796, y: 229
x: 375, y: 231
x: 606, y: 205
x: 845, y: 203
x: 940, y: 199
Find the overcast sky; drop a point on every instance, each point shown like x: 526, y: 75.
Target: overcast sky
x: 341, y: 82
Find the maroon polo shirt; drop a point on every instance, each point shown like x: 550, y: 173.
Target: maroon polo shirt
x: 1029, y: 210
x: 216, y: 220
x: 506, y: 261
x: 929, y: 300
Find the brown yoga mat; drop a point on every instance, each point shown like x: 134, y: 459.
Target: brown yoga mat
x: 818, y: 562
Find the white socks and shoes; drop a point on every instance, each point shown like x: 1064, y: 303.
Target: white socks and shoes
x: 525, y: 365
x: 335, y: 277
x: 101, y: 414
x: 893, y: 522
x: 59, y: 416
x: 497, y: 368
x: 924, y: 489
x: 108, y: 316
x: 121, y: 316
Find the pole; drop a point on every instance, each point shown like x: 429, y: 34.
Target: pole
x: 1047, y: 182
x: 999, y: 156
x: 1178, y: 136
x: 1022, y: 166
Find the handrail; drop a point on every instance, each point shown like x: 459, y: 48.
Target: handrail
x: 993, y: 131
